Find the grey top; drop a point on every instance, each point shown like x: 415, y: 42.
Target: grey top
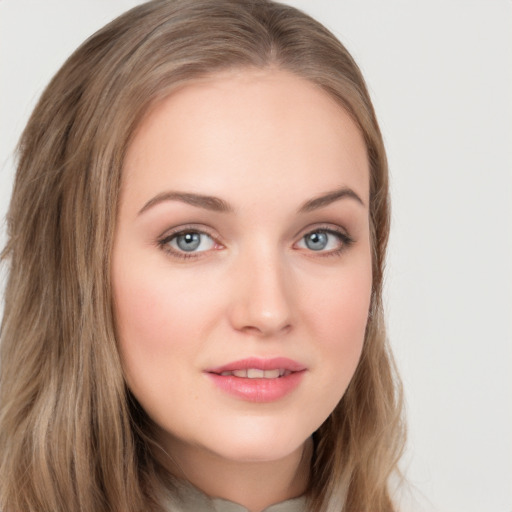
x: 191, y: 499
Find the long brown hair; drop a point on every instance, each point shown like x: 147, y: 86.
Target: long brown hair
x: 71, y: 437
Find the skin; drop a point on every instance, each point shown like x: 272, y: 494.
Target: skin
x: 265, y: 142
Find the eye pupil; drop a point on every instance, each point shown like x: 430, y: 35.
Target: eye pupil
x: 316, y: 241
x: 188, y: 241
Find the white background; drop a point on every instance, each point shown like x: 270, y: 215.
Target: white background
x: 440, y: 74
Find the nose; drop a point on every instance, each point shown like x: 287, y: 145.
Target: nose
x: 262, y: 302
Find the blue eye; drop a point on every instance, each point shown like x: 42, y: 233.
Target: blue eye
x: 323, y: 240
x: 316, y: 241
x: 189, y: 241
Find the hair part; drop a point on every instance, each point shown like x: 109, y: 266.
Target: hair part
x: 71, y: 438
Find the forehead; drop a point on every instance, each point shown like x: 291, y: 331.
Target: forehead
x: 251, y: 130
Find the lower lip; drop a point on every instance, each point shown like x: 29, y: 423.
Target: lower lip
x: 258, y: 390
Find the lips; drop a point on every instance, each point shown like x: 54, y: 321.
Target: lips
x: 276, y: 363
x: 256, y: 373
x: 258, y: 380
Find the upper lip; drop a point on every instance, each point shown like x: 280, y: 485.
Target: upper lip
x: 275, y: 363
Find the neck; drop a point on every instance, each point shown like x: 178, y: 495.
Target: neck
x: 254, y: 485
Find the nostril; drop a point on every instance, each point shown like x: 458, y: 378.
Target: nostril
x: 266, y: 330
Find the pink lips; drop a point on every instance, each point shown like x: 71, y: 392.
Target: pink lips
x: 258, y: 380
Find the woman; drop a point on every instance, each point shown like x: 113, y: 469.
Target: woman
x: 194, y: 299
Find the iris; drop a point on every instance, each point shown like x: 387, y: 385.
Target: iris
x: 316, y: 241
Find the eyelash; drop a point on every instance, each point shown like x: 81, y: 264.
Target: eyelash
x: 163, y: 243
x: 345, y: 242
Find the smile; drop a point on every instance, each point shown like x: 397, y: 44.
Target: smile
x: 256, y: 373
x: 258, y: 380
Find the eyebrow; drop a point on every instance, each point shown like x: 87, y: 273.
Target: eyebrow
x: 219, y: 205
x: 328, y: 198
x: 211, y: 203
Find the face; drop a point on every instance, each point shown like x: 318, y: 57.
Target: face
x: 241, y: 264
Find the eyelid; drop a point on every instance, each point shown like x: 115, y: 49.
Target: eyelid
x: 164, y: 239
x: 326, y: 227
x: 345, y: 239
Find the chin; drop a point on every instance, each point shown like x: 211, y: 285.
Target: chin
x: 258, y: 452
x: 254, y: 443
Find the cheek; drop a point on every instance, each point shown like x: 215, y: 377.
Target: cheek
x: 140, y: 313
x: 145, y: 308
x: 161, y: 317
x: 339, y: 305
x: 338, y: 318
